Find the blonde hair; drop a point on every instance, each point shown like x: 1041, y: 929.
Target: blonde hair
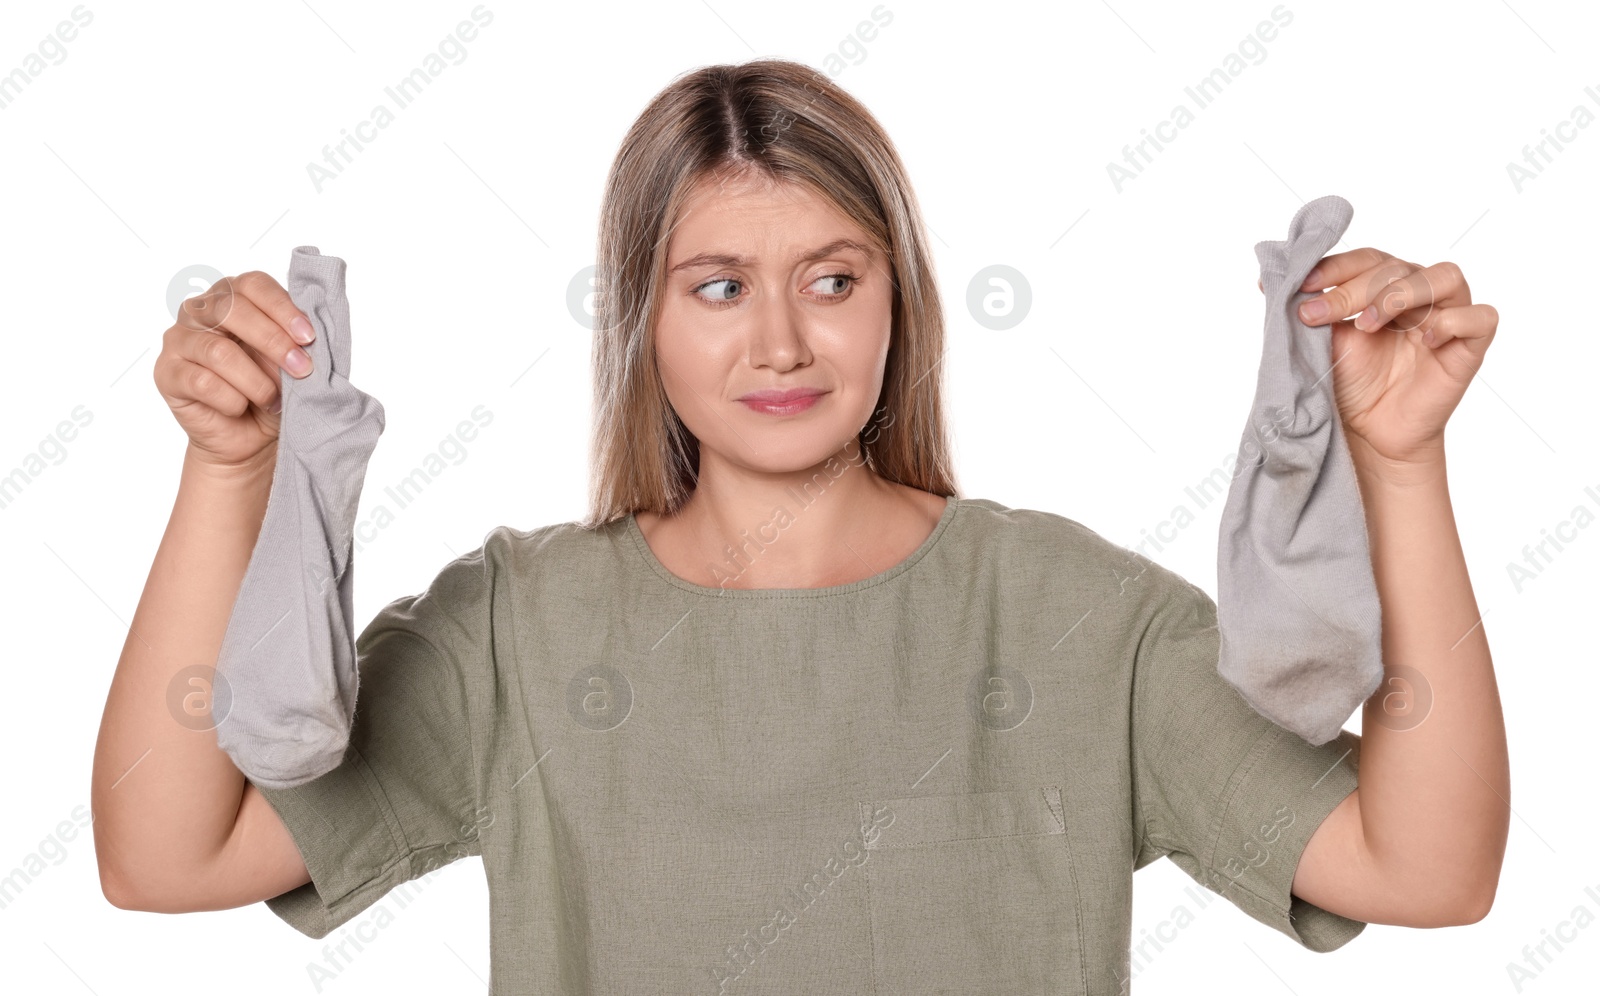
x: 790, y: 123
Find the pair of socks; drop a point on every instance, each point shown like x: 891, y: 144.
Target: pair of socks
x: 1297, y: 604
x: 288, y: 656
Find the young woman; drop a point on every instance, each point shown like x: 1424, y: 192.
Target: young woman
x: 785, y: 712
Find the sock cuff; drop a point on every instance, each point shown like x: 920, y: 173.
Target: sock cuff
x: 1325, y: 217
x: 327, y: 270
x: 1315, y: 229
x: 1273, y: 257
x: 317, y: 285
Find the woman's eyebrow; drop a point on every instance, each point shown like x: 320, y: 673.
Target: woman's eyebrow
x: 725, y: 259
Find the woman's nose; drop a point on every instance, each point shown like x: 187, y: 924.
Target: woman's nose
x: 777, y: 334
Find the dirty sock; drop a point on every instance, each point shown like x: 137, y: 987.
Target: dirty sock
x: 288, y: 655
x: 1297, y: 604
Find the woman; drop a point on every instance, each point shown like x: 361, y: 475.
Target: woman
x: 784, y: 712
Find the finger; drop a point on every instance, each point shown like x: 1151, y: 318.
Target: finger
x: 272, y: 300
x: 1406, y: 321
x: 1437, y: 286
x: 210, y: 309
x: 1339, y: 267
x: 1352, y: 295
x: 228, y: 360
x: 234, y: 304
x: 1472, y: 321
x: 186, y: 382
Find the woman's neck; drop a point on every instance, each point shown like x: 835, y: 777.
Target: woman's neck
x: 841, y: 524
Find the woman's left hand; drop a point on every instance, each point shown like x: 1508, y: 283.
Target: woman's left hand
x: 1402, y: 364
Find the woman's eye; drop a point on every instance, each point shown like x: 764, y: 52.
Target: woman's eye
x: 834, y: 283
x: 724, y: 297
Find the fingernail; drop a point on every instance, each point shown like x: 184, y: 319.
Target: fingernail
x: 298, y: 362
x: 1315, y: 310
x: 1313, y: 280
x: 1368, y: 318
x: 276, y: 406
x: 301, y: 329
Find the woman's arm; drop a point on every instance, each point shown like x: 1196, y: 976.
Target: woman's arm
x: 176, y: 826
x: 1420, y: 842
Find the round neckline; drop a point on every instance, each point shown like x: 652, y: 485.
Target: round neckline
x: 660, y: 570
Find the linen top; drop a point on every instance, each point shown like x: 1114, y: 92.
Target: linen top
x: 938, y: 778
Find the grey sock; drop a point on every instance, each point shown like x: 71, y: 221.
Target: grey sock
x: 288, y: 655
x: 1297, y: 605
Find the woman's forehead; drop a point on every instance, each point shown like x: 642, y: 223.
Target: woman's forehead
x: 759, y: 223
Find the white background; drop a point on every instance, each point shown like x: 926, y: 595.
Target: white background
x: 179, y: 134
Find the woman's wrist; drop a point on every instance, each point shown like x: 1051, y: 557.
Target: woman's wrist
x: 252, y: 476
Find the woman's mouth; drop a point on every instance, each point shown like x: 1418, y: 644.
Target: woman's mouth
x: 787, y: 402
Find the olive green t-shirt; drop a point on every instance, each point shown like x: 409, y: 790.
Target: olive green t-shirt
x: 939, y: 778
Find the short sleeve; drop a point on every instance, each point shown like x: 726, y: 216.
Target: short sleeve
x: 1231, y: 797
x: 403, y: 800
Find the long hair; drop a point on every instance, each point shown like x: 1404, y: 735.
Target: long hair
x: 793, y: 124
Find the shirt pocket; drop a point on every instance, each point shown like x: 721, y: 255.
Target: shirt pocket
x: 973, y: 892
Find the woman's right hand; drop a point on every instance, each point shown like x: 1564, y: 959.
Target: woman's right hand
x: 218, y: 368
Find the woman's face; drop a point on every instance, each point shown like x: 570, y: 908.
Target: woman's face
x: 763, y: 294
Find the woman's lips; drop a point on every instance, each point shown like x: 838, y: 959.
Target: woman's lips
x: 781, y: 402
